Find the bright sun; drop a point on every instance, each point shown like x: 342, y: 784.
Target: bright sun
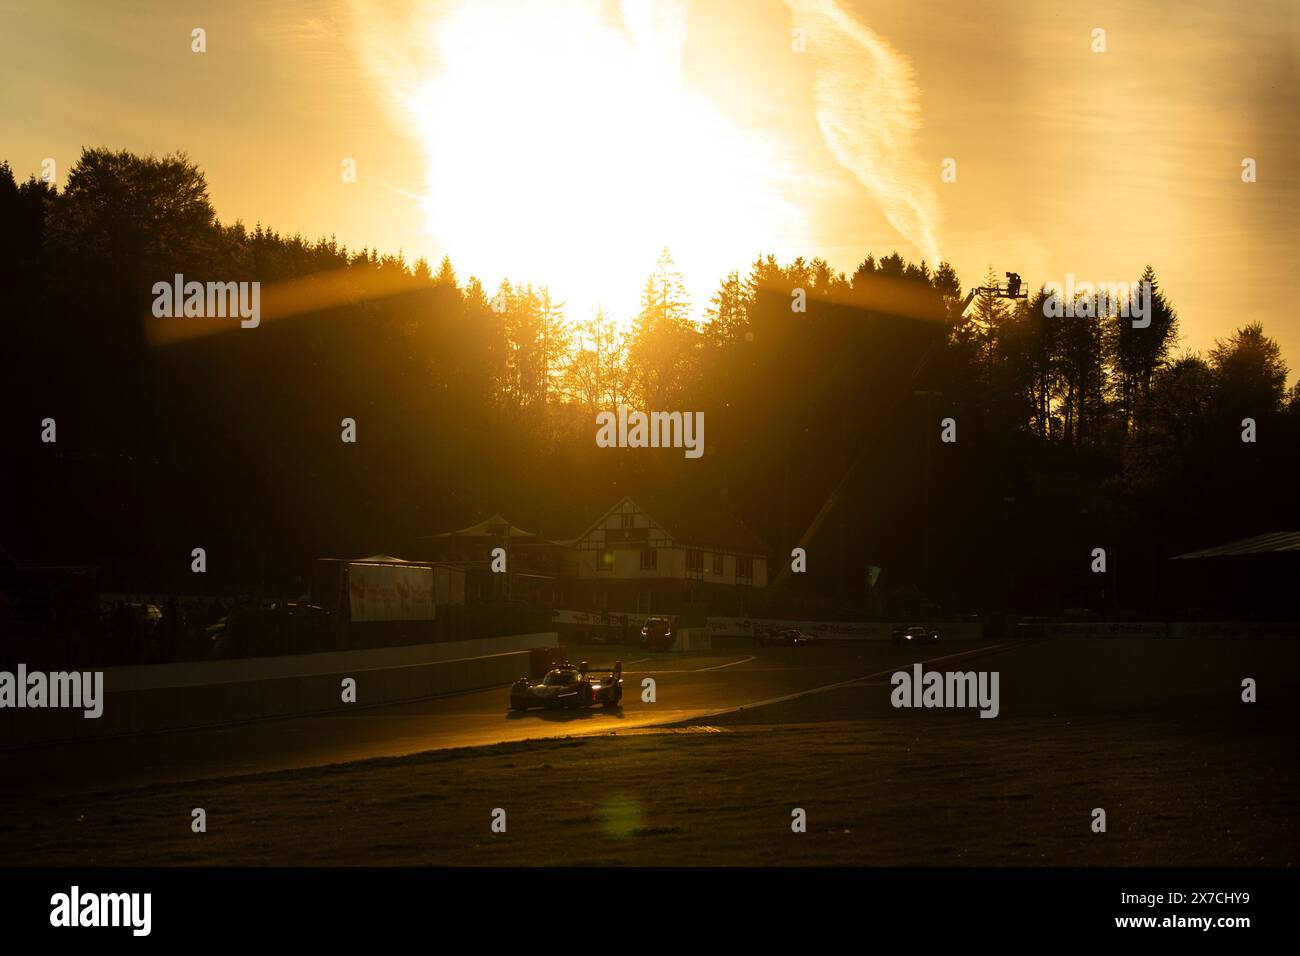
x: 564, y: 149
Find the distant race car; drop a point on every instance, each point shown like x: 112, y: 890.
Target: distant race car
x: 789, y: 636
x: 657, y: 634
x: 915, y: 635
x: 569, y: 686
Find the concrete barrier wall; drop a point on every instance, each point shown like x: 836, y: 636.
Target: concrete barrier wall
x: 189, y: 673
x: 840, y: 630
x: 1138, y: 629
x: 966, y: 631
x: 1230, y: 630
x: 1178, y: 630
x: 1080, y: 674
x: 693, y: 639
x: 156, y: 705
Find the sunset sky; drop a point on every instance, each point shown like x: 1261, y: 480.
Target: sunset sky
x: 566, y: 142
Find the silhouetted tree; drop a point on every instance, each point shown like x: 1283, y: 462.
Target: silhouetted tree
x: 1250, y: 375
x: 665, y: 345
x: 1135, y: 353
x: 468, y: 404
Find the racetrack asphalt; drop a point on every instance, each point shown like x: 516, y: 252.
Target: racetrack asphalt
x: 687, y: 686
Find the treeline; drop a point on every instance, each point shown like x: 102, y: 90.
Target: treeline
x: 823, y: 395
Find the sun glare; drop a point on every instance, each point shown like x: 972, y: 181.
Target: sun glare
x: 565, y: 149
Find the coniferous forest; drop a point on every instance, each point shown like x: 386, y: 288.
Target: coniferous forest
x: 1071, y: 433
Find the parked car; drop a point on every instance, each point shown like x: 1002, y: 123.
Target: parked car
x: 150, y: 614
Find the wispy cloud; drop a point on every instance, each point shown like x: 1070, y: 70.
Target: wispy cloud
x: 868, y: 110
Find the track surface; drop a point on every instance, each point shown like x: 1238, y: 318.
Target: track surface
x: 687, y: 686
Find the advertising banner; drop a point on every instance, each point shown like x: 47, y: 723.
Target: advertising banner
x: 390, y: 592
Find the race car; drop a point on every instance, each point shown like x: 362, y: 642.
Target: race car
x: 789, y: 636
x: 916, y: 634
x: 568, y: 686
x: 657, y: 634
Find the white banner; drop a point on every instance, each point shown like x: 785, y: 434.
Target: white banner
x: 390, y: 592
x: 604, y: 618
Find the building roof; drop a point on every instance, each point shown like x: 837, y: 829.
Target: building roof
x: 1274, y: 541
x: 493, y: 527
x: 694, y: 523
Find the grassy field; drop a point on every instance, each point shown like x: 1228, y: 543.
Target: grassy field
x: 1203, y: 783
